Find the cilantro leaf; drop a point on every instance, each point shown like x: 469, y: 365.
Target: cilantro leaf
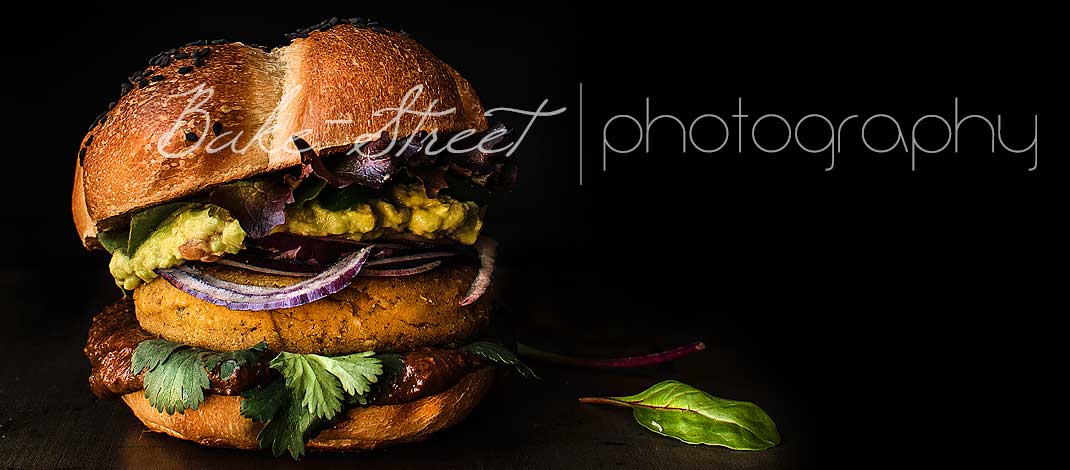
x: 318, y: 382
x: 151, y: 353
x: 496, y: 352
x: 291, y: 427
x: 228, y: 362
x: 261, y: 403
x: 356, y: 371
x: 313, y: 387
x: 178, y: 382
x: 176, y: 375
x: 313, y: 390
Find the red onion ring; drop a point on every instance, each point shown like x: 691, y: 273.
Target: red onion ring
x: 487, y: 249
x: 423, y: 268
x: 236, y: 296
x: 406, y: 258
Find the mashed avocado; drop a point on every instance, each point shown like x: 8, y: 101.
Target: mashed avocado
x: 208, y: 232
x: 200, y: 232
x: 406, y: 209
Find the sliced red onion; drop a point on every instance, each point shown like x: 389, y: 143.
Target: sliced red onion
x: 261, y: 269
x: 487, y: 249
x: 423, y: 268
x: 236, y: 296
x: 406, y: 258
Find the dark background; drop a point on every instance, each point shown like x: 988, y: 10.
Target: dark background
x: 882, y: 305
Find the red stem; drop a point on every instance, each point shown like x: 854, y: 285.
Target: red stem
x: 610, y: 363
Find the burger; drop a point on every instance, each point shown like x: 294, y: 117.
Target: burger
x: 297, y: 235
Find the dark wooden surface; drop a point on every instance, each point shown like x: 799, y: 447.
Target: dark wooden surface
x: 48, y: 418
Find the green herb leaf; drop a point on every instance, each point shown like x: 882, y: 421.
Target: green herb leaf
x: 356, y: 371
x: 686, y: 413
x: 311, y: 392
x: 151, y: 353
x: 178, y: 382
x: 147, y: 221
x: 496, y: 352
x: 229, y: 362
x: 261, y: 403
x: 176, y: 375
x: 318, y: 382
x: 311, y: 384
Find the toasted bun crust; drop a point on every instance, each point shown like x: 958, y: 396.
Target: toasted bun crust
x: 381, y: 314
x: 218, y: 421
x: 343, y: 73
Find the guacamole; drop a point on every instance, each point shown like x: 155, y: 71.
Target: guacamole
x: 208, y: 232
x: 199, y: 232
x: 406, y: 209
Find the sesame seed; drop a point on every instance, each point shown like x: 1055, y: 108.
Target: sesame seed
x: 157, y: 78
x: 217, y: 128
x: 181, y: 55
x: 81, y: 155
x: 103, y: 118
x: 185, y: 70
x: 198, y: 62
x: 219, y: 41
x: 89, y: 140
x: 203, y: 52
x: 191, y: 137
x: 125, y: 88
x: 142, y: 83
x: 379, y: 29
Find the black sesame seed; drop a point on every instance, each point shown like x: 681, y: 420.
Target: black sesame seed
x: 89, y: 140
x: 169, y: 51
x: 203, y: 52
x: 191, y: 137
x: 111, y: 105
x: 201, y: 42
x: 217, y: 128
x: 125, y: 88
x: 219, y: 41
x: 103, y: 118
x: 379, y: 29
x: 181, y: 55
x: 198, y: 62
x: 164, y: 60
x: 185, y: 70
x: 81, y: 155
x: 157, y: 78
x: 142, y: 83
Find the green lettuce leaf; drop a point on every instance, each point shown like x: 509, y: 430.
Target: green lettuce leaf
x: 147, y: 221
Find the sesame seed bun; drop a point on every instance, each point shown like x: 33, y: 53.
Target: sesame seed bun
x: 218, y: 421
x: 382, y: 314
x: 341, y: 73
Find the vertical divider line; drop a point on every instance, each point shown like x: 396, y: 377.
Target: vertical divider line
x: 581, y: 133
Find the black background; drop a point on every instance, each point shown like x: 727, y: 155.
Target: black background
x: 855, y: 297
